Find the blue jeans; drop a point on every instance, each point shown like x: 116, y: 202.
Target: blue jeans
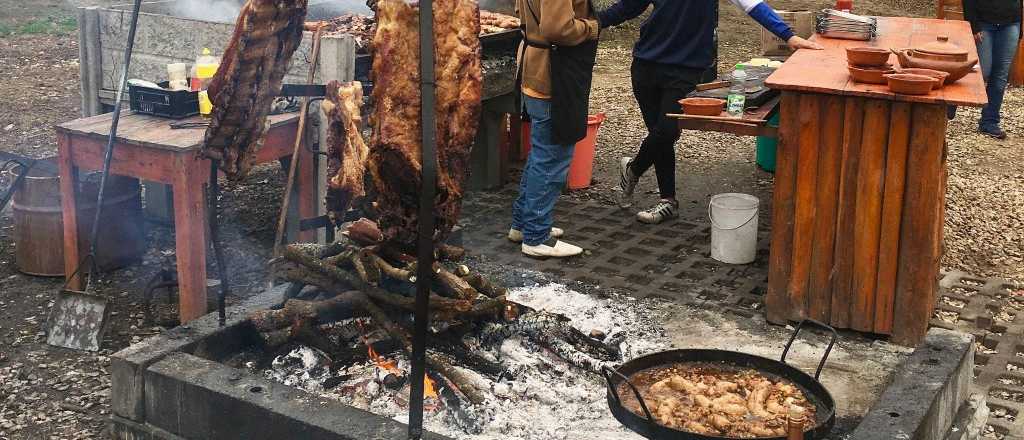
x: 543, y: 177
x: 996, y: 50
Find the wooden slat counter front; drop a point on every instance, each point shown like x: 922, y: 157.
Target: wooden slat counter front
x: 860, y: 188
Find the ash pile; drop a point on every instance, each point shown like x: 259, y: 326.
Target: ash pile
x: 529, y: 391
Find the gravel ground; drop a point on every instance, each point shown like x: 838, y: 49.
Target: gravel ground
x: 50, y: 393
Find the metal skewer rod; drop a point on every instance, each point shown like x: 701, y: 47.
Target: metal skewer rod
x: 109, y: 153
x: 425, y: 247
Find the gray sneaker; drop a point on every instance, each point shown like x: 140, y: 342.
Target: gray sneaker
x: 661, y: 211
x: 627, y: 183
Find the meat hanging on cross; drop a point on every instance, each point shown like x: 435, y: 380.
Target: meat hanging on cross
x: 266, y: 35
x: 395, y: 154
x: 346, y: 150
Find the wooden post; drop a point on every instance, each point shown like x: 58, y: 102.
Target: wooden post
x: 919, y: 255
x: 853, y: 130
x: 337, y: 63
x: 777, y: 300
x: 190, y: 236
x: 69, y: 210
x: 892, y: 209
x: 868, y: 217
x: 90, y: 62
x: 819, y: 287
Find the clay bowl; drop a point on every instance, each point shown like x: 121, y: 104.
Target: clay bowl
x: 867, y: 56
x: 908, y: 84
x: 702, y: 106
x: 939, y: 75
x: 956, y: 69
x: 870, y: 75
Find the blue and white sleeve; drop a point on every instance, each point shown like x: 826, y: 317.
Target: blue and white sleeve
x: 766, y: 17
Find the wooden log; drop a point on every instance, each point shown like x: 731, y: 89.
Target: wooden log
x: 448, y: 252
x: 892, y: 210
x: 455, y: 285
x: 485, y: 286
x: 819, y: 286
x: 853, y: 124
x: 870, y: 181
x: 343, y: 306
x: 777, y: 301
x: 916, y: 281
x: 811, y: 106
x: 390, y: 271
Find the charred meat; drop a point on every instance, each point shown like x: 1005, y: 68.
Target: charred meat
x: 267, y: 32
x: 347, y: 152
x: 395, y: 154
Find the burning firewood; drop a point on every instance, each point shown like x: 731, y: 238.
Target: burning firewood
x: 249, y: 77
x: 458, y: 309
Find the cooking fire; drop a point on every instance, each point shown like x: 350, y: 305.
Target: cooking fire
x: 529, y: 390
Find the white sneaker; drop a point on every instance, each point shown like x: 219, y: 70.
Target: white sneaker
x: 627, y: 183
x: 516, y: 236
x: 663, y: 210
x: 552, y: 248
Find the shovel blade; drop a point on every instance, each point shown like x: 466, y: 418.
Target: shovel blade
x: 78, y: 320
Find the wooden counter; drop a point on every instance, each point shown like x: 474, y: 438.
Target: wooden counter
x: 860, y: 188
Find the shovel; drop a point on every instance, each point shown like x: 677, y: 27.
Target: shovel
x: 78, y: 319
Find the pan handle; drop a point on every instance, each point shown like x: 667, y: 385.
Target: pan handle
x: 831, y: 343
x: 606, y: 371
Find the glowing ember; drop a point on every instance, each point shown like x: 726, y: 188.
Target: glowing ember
x: 429, y: 392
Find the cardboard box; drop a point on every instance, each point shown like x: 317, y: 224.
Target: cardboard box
x: 802, y: 23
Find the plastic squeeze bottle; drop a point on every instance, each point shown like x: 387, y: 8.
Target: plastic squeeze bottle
x: 737, y: 98
x: 206, y: 67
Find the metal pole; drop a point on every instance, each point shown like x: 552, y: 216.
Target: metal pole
x: 109, y: 154
x: 425, y: 247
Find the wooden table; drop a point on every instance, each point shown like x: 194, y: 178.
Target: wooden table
x: 860, y: 188
x: 754, y: 121
x: 147, y: 148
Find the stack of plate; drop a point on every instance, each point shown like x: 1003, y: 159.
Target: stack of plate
x: 839, y: 24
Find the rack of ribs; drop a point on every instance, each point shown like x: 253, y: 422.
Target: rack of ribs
x: 394, y: 161
x: 266, y: 35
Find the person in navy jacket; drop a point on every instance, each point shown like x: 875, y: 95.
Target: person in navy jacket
x: 677, y: 45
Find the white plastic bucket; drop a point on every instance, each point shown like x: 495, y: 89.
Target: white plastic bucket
x: 733, y: 227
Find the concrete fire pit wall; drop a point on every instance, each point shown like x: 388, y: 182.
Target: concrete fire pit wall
x: 167, y: 387
x: 927, y: 392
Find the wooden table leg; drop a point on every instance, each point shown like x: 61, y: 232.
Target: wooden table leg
x: 190, y: 236
x: 69, y: 208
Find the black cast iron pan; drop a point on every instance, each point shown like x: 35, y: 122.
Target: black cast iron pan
x: 646, y: 425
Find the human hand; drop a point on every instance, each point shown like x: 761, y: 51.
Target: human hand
x: 796, y: 42
x: 978, y: 37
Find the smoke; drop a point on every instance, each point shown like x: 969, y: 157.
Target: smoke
x: 224, y: 11
x: 502, y: 6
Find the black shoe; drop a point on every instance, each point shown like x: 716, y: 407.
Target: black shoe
x: 995, y: 133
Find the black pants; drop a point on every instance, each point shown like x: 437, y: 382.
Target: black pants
x: 658, y: 89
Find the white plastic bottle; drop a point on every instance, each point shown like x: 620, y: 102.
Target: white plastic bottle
x: 737, y: 99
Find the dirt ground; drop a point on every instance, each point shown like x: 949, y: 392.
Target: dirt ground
x: 47, y: 393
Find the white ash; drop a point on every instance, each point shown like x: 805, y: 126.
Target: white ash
x: 547, y: 398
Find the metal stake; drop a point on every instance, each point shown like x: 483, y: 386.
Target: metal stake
x: 109, y: 154
x: 425, y: 248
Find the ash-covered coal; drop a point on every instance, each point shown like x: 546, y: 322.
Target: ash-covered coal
x: 542, y: 397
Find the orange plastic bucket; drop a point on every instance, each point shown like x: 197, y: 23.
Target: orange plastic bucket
x: 581, y: 170
x: 582, y: 167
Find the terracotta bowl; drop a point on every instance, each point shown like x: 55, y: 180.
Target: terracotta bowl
x: 939, y: 75
x: 867, y: 56
x: 702, y: 106
x: 909, y: 84
x: 870, y: 75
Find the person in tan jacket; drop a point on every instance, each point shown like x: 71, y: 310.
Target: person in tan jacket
x: 556, y: 66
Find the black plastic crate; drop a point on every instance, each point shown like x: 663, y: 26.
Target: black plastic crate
x: 175, y: 104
